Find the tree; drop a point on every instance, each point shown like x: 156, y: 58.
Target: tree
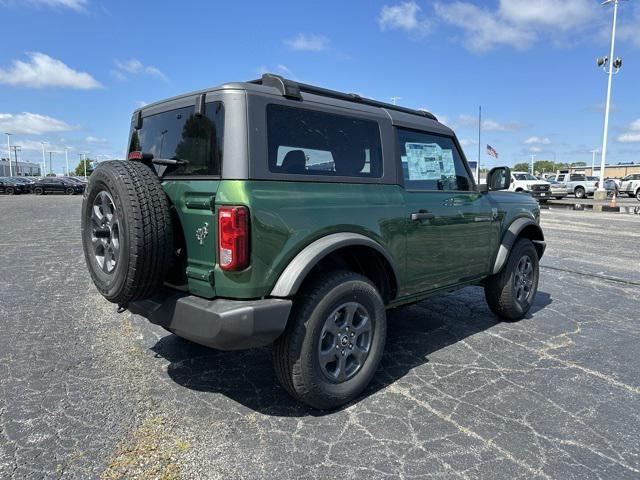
x: 521, y: 167
x: 80, y: 168
x: 545, y: 166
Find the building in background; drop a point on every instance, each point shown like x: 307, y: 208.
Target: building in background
x: 610, y: 171
x: 22, y: 169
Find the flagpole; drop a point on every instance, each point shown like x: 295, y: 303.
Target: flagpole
x: 479, y: 130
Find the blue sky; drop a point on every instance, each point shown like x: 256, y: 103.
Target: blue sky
x: 73, y: 70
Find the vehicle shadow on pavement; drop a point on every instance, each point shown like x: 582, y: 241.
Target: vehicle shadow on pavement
x: 413, y: 333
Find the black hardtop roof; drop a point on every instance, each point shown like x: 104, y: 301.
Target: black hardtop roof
x: 277, y: 85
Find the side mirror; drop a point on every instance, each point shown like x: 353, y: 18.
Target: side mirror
x: 498, y: 178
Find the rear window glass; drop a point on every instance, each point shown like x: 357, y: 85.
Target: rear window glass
x: 307, y: 142
x: 182, y: 135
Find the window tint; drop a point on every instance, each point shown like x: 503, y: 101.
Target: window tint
x: 431, y: 162
x: 316, y: 143
x: 182, y: 135
x: 575, y: 177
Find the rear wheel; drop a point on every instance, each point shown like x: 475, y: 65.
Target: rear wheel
x: 126, y: 231
x: 10, y: 191
x: 580, y: 192
x: 638, y: 195
x: 511, y: 292
x: 333, y: 342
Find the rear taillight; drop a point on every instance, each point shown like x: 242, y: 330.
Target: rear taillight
x: 233, y: 238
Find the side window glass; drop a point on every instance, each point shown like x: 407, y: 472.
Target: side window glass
x: 431, y: 162
x: 309, y: 142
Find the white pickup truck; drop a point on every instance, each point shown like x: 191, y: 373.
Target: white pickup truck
x: 631, y: 185
x: 576, y: 183
x: 525, y: 182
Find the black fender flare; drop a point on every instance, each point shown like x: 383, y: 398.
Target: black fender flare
x: 511, y: 235
x: 294, y: 274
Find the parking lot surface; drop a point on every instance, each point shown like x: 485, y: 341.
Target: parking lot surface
x: 86, y: 392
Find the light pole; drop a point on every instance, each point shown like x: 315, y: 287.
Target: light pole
x: 394, y: 100
x: 532, y: 157
x: 16, y: 149
x: 50, y: 168
x: 593, y: 160
x: 9, y: 150
x: 44, y: 161
x: 601, y: 193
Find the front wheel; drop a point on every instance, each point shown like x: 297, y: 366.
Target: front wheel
x: 38, y: 191
x: 638, y: 195
x: 511, y: 292
x: 333, y: 342
x: 69, y: 191
x: 580, y: 192
x: 10, y: 191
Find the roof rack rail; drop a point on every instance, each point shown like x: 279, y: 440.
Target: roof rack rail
x: 292, y: 89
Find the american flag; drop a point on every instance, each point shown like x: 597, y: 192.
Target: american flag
x: 491, y: 151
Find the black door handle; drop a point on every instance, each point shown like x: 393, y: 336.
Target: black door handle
x: 422, y: 215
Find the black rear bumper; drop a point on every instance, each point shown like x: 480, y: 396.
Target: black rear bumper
x: 219, y: 323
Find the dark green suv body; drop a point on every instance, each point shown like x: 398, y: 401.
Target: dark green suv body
x: 272, y: 211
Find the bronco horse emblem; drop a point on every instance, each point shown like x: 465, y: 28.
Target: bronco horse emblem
x: 202, y: 233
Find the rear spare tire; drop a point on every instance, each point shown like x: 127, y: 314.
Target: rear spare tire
x: 126, y: 231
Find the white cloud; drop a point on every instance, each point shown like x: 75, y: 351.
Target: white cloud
x: 564, y: 15
x: 136, y: 67
x: 632, y: 135
x: 279, y: 69
x: 308, y: 43
x: 96, y: 140
x: 403, y: 16
x: 535, y: 149
x: 537, y: 141
x: 27, y: 123
x: 44, y: 71
x: 77, y: 5
x: 467, y: 142
x: 628, y: 28
x: 488, y: 125
x: 518, y: 23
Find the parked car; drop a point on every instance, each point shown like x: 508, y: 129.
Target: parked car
x: 27, y: 182
x: 8, y: 186
x: 631, y: 185
x: 525, y: 182
x: 57, y: 185
x: 557, y: 190
x: 575, y: 183
x: 287, y: 214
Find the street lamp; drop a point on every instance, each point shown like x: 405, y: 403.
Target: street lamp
x: 9, y: 150
x: 601, y: 193
x: 44, y: 161
x: 532, y: 158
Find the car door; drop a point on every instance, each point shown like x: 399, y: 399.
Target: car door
x: 448, y: 222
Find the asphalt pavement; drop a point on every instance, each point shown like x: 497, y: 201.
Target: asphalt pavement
x: 89, y: 393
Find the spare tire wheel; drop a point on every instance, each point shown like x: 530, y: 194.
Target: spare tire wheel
x: 126, y: 231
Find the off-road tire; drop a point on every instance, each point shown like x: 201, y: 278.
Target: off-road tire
x: 580, y: 192
x: 145, y: 231
x: 295, y: 356
x: 499, y: 288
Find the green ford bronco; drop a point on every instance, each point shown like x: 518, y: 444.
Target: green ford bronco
x: 275, y: 212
